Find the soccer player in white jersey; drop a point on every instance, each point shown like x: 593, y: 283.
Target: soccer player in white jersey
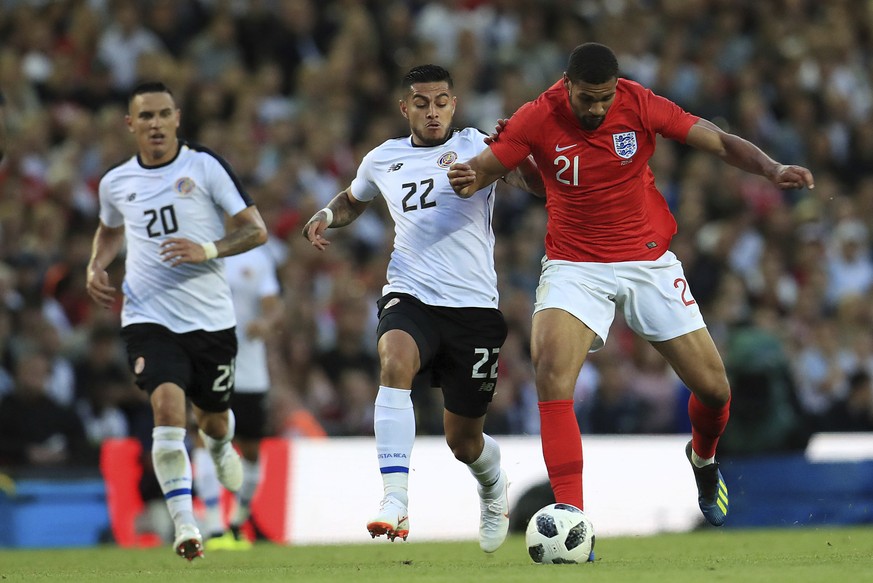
x: 438, y: 316
x: 258, y: 306
x: 168, y: 204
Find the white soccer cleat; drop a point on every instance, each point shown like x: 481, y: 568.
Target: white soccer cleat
x: 494, y: 517
x: 392, y: 520
x: 189, y: 542
x: 228, y: 466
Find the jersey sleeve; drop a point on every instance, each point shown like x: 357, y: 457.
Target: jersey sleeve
x: 667, y: 118
x: 225, y: 189
x: 513, y: 145
x: 109, y: 213
x: 363, y: 188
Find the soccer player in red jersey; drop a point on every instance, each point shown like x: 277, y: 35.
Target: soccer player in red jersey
x: 607, y: 246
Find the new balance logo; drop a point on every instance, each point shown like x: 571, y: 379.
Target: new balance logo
x: 487, y: 387
x: 131, y: 197
x: 395, y: 167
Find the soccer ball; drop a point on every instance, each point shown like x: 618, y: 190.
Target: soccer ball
x: 559, y: 533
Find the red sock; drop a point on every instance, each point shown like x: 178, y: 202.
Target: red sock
x: 562, y: 450
x: 707, y: 425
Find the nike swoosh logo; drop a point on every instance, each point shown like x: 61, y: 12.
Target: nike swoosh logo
x: 560, y: 149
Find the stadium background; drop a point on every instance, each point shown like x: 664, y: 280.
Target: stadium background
x: 293, y: 93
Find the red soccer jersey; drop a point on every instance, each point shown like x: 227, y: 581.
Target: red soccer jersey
x: 600, y: 192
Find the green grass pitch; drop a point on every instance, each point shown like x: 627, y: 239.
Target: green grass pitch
x: 795, y: 555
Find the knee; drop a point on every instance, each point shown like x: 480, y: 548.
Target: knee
x: 466, y: 450
x: 396, y: 370
x: 552, y: 381
x: 166, y: 415
x: 214, y: 425
x: 168, y: 406
x: 713, y: 388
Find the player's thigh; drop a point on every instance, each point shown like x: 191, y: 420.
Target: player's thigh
x: 466, y: 366
x: 697, y: 362
x: 408, y: 339
x: 581, y: 290
x: 156, y: 356
x: 212, y: 357
x: 656, y: 300
x: 559, y: 345
x: 251, y: 414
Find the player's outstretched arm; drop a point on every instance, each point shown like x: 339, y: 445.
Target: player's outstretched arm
x: 105, y: 247
x: 469, y: 177
x: 736, y: 151
x: 246, y: 230
x: 342, y: 210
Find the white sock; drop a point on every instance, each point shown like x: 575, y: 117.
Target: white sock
x: 251, y: 479
x: 394, y: 426
x: 486, y: 468
x: 699, y: 461
x: 209, y: 490
x: 173, y: 470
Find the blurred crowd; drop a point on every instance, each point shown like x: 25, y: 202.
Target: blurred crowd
x: 293, y: 93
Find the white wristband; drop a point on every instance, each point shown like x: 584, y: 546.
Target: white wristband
x: 210, y: 249
x: 329, y: 214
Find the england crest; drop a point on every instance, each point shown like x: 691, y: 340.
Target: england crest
x: 625, y: 144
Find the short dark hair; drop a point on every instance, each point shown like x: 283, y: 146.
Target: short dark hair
x: 426, y: 74
x: 592, y: 63
x: 149, y: 87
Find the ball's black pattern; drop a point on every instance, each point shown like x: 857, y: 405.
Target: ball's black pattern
x: 567, y: 507
x: 576, y: 536
x: 537, y: 552
x: 546, y: 525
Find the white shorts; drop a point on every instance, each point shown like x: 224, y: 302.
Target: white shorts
x: 653, y: 296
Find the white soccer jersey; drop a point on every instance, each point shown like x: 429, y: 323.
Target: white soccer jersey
x: 443, y: 244
x: 252, y: 277
x: 186, y: 197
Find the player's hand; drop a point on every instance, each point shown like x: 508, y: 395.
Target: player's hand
x: 789, y: 176
x: 176, y: 251
x: 98, y: 286
x: 314, y: 230
x: 501, y: 124
x: 461, y: 177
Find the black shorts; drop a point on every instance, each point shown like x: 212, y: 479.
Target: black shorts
x: 200, y: 362
x: 458, y: 348
x: 250, y: 410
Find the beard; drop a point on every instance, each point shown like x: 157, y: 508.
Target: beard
x: 429, y: 139
x: 590, y: 122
